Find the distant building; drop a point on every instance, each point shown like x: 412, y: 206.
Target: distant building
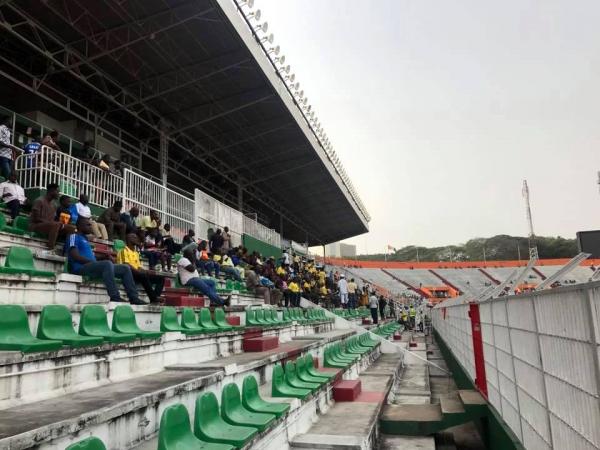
x: 340, y: 250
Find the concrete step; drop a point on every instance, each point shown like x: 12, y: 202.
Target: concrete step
x: 450, y: 405
x: 353, y: 425
x: 471, y: 397
x: 389, y: 442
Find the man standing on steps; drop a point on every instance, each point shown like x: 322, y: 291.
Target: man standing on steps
x: 373, y: 305
x: 352, y: 288
x: 153, y: 284
x: 343, y: 288
x: 82, y: 261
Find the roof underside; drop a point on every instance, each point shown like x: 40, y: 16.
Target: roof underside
x: 181, y: 65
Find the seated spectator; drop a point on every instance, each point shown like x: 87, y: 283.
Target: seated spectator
x: 154, y: 252
x: 43, y: 214
x: 205, y: 263
x: 168, y: 243
x: 228, y: 268
x: 188, y: 276
x: 111, y: 218
x: 281, y: 270
x: 216, y: 242
x: 152, y: 283
x: 13, y: 195
x: 188, y: 238
x: 63, y: 212
x: 82, y: 261
x: 83, y: 210
x: 31, y: 149
x: 51, y: 140
x: 148, y: 223
x: 129, y: 220
x: 254, y: 285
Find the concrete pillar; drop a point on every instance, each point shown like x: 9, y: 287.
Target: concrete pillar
x: 164, y: 156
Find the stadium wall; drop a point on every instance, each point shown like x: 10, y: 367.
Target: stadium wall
x: 267, y: 250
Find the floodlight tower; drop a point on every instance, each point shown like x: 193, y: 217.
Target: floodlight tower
x: 533, y: 251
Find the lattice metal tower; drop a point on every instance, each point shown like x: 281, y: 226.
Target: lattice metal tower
x: 533, y: 251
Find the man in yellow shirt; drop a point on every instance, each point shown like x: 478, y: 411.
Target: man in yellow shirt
x: 130, y: 256
x: 294, y: 288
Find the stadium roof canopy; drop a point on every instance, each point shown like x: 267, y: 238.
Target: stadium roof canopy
x: 196, y: 70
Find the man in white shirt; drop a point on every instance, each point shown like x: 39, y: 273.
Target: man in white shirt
x: 13, y: 195
x: 189, y: 277
x: 6, y: 148
x: 83, y: 210
x: 343, y: 287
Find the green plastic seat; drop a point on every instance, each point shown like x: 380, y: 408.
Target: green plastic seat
x: 8, y: 229
x: 221, y: 322
x: 252, y: 401
x: 210, y: 426
x: 22, y: 223
x: 20, y: 260
x: 169, y: 322
x: 271, y: 317
x: 118, y: 245
x: 281, y: 388
x: 260, y: 318
x: 15, y: 334
x: 251, y: 318
x: 286, y: 315
x: 175, y: 432
x: 91, y: 443
x: 292, y: 378
x: 330, y: 361
x: 310, y: 368
x: 93, y: 322
x: 56, y: 324
x: 205, y: 321
x: 124, y: 322
x: 234, y: 413
x: 303, y: 374
x: 189, y: 321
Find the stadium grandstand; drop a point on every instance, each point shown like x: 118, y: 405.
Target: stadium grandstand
x: 162, y: 179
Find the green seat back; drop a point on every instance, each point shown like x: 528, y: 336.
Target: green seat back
x: 91, y: 443
x: 205, y: 320
x: 189, y: 321
x: 274, y: 317
x: 15, y: 333
x: 168, y: 319
x: 22, y: 223
x: 233, y: 411
x: 175, y: 432
x: 93, y: 322
x: 124, y: 320
x: 56, y: 323
x: 118, y: 245
x: 19, y: 258
x: 286, y: 314
x: 252, y: 401
x: 177, y: 257
x: 210, y: 427
x: 281, y: 388
x: 229, y: 284
x: 220, y: 318
x: 251, y: 317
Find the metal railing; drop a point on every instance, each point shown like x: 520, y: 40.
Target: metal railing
x: 540, y: 352
x: 173, y: 208
x: 73, y: 176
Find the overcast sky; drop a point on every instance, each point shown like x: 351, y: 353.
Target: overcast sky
x: 440, y: 109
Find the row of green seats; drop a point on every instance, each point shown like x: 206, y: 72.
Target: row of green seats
x: 20, y: 260
x: 241, y: 418
x: 351, y: 313
x: 191, y: 325
x: 297, y: 314
x: 55, y: 328
x: 387, y: 330
x: 264, y: 317
x: 340, y: 356
x: 20, y: 226
x: 299, y: 379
